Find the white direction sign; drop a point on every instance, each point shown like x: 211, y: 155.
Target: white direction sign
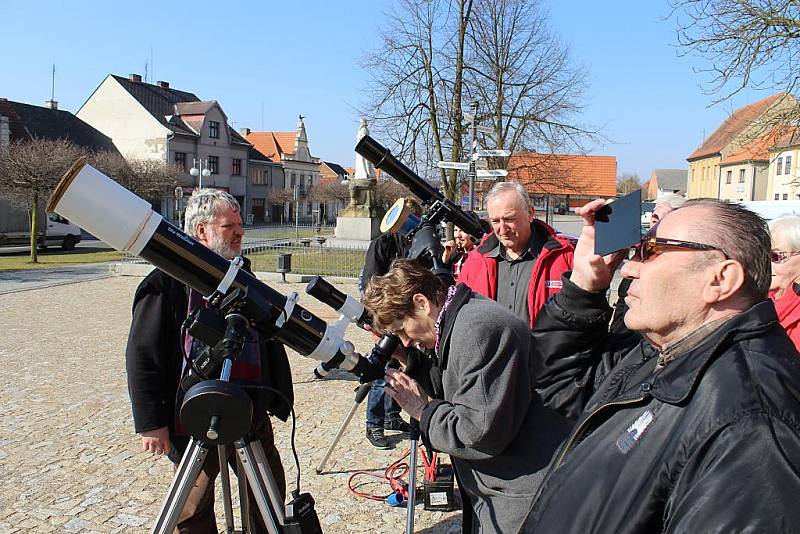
x: 493, y: 153
x: 453, y: 165
x: 468, y: 118
x: 485, y: 129
x: 490, y: 173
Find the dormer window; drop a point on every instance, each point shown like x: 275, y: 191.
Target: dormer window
x: 213, y: 129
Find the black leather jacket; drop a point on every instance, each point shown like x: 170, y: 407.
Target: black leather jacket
x: 710, y: 442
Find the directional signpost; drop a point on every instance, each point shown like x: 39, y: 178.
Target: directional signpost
x: 491, y: 173
x: 453, y: 165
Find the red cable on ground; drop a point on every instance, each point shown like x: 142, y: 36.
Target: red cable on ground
x: 392, y: 475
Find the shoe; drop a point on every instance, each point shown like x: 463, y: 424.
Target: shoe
x: 376, y: 438
x: 396, y: 424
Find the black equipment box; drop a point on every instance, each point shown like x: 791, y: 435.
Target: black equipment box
x: 439, y: 494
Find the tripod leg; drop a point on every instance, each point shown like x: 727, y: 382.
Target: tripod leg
x: 361, y: 394
x: 258, y: 485
x: 412, y: 477
x: 244, y: 501
x: 226, y: 487
x: 182, y: 483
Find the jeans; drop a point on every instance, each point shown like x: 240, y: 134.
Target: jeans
x: 380, y: 406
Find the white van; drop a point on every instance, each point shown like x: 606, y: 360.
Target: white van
x: 55, y: 231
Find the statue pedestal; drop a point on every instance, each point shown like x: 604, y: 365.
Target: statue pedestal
x: 358, y: 228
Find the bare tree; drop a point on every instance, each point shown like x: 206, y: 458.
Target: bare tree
x: 628, y: 183
x: 435, y: 54
x: 416, y: 83
x: 29, y: 171
x: 747, y: 43
x: 281, y: 196
x: 525, y: 77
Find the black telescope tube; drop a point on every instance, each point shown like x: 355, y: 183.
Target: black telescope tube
x: 188, y: 261
x: 325, y: 292
x: 383, y: 159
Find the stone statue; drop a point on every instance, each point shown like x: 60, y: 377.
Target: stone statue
x: 363, y: 184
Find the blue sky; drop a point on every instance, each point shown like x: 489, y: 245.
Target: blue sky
x: 303, y: 57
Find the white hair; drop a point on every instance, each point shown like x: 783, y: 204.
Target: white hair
x: 501, y: 188
x: 786, y: 227
x: 673, y: 200
x: 204, y: 205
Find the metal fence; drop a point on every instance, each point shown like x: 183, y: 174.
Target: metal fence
x: 312, y: 251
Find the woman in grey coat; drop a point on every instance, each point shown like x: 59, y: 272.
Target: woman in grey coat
x: 478, y: 402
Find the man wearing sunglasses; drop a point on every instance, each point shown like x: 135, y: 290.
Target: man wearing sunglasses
x: 690, y: 420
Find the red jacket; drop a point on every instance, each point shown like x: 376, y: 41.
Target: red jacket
x: 480, y: 272
x: 788, y: 309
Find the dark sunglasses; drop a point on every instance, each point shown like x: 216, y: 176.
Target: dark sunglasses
x: 651, y: 245
x: 779, y: 256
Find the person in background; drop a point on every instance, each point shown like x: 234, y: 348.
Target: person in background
x: 456, y: 251
x: 383, y: 413
x: 520, y: 263
x: 785, y: 286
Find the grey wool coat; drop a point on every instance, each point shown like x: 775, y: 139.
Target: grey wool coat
x: 486, y: 414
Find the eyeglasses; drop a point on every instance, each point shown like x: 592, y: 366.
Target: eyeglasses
x: 651, y: 245
x: 779, y: 256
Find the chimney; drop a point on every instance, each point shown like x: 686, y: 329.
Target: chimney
x: 163, y: 85
x: 244, y: 132
x: 5, y: 133
x: 51, y: 104
x: 135, y: 78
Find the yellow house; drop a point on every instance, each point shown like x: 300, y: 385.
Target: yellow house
x: 733, y: 135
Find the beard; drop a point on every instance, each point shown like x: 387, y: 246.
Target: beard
x: 226, y: 249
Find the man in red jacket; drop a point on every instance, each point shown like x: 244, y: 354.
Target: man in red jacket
x: 520, y: 264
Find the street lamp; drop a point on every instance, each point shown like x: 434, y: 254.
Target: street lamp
x: 200, y: 171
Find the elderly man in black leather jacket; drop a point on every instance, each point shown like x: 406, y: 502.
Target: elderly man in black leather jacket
x: 690, y: 423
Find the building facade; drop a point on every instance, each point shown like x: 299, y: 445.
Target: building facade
x: 740, y: 129
x: 155, y: 121
x: 301, y: 169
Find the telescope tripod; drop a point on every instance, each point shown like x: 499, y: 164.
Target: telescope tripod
x: 361, y: 394
x: 218, y: 414
x: 253, y: 471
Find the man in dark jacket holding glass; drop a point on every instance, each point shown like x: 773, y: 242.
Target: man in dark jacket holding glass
x: 690, y: 420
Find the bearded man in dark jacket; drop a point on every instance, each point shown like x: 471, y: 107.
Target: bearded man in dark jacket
x: 690, y: 420
x: 155, y: 365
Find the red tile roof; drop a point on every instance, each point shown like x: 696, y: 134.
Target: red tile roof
x: 565, y: 174
x: 733, y: 126
x: 758, y: 149
x: 273, y: 144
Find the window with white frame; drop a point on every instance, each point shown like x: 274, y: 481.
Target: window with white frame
x: 213, y: 129
x: 728, y: 177
x: 741, y: 176
x: 213, y: 164
x: 779, y: 166
x: 787, y: 165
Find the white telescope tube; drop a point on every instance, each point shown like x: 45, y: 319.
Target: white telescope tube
x: 104, y: 208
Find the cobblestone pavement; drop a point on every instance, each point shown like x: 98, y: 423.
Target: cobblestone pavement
x: 69, y: 461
